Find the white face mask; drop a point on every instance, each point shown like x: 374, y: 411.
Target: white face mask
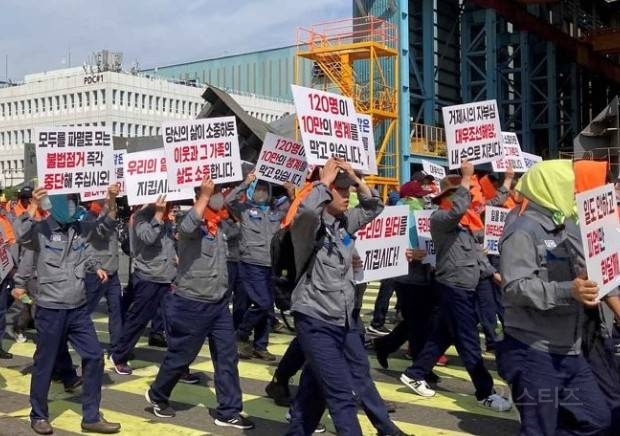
x: 71, y: 207
x: 216, y: 201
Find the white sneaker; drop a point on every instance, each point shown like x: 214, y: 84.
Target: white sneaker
x: 496, y: 402
x: 420, y: 387
x: 20, y: 338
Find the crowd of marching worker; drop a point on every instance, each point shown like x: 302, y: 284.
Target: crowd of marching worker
x: 206, y: 274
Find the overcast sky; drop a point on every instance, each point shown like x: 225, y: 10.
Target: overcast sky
x: 37, y: 35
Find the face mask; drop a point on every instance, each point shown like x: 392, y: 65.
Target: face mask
x: 260, y: 197
x: 216, y: 201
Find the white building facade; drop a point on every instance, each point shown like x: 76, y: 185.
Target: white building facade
x: 131, y: 105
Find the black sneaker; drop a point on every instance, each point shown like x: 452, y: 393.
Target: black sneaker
x: 279, y: 393
x: 190, y: 379
x: 158, y: 340
x: 162, y: 410
x: 378, y: 331
x: 240, y: 422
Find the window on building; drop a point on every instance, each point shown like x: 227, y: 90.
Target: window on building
x: 103, y: 123
x: 79, y: 99
x: 21, y: 103
x: 64, y: 101
x: 95, y: 98
x: 114, y: 127
x: 114, y: 96
x: 2, y: 109
x: 50, y: 104
x: 72, y: 98
x: 57, y: 102
x: 121, y: 98
x: 157, y: 103
x: 29, y: 106
x: 9, y: 107
x: 176, y: 106
x: 2, y: 138
x: 87, y: 124
x: 183, y: 107
x: 95, y: 124
x: 29, y: 135
x: 150, y: 102
x: 163, y: 104
x: 135, y: 99
x: 43, y: 105
x: 87, y: 98
x: 158, y: 131
x: 122, y: 128
x: 150, y: 130
x: 143, y: 101
x: 21, y: 164
x: 36, y: 105
x: 15, y: 108
x: 103, y: 92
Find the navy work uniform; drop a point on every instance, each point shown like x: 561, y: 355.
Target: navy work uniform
x: 460, y: 264
x: 258, y: 225
x: 323, y: 304
x: 104, y: 247
x: 62, y: 313
x: 540, y: 357
x: 197, y: 310
x: 153, y: 247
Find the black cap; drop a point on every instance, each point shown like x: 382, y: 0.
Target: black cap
x: 422, y: 175
x: 25, y: 193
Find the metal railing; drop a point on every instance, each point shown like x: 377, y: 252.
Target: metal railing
x: 426, y: 139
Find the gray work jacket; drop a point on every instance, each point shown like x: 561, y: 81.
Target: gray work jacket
x: 202, y: 274
x: 152, y: 244
x: 327, y: 292
x: 104, y: 244
x: 460, y: 259
x: 538, y: 264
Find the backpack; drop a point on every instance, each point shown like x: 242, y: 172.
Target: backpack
x: 285, y: 274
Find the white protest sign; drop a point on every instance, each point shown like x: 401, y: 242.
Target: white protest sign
x: 364, y: 123
x: 119, y: 158
x: 531, y: 159
x: 600, y: 236
x: 199, y: 148
x: 146, y: 178
x: 472, y: 132
x: 75, y: 160
x: 6, y: 260
x: 494, y: 220
x: 281, y: 160
x: 437, y: 171
x: 425, y: 240
x: 512, y: 155
x: 382, y: 244
x: 328, y: 126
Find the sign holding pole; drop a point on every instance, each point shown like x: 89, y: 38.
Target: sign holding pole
x: 199, y: 148
x: 472, y: 133
x: 328, y: 126
x: 281, y: 160
x: 382, y: 245
x: 600, y: 236
x: 75, y: 160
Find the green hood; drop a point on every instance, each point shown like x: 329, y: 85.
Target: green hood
x: 551, y: 184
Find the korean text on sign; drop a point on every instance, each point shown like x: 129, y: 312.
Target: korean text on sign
x: 472, y: 132
x: 328, y: 125
x: 199, y: 148
x: 600, y: 235
x: 281, y: 160
x: 512, y: 155
x: 494, y: 220
x: 531, y: 159
x: 382, y: 244
x: 364, y: 123
x: 119, y: 158
x: 437, y: 171
x: 6, y: 260
x: 425, y: 240
x: 146, y: 178
x: 75, y: 160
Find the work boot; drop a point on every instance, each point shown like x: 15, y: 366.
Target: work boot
x: 264, y: 355
x: 245, y: 350
x: 103, y: 427
x: 41, y: 426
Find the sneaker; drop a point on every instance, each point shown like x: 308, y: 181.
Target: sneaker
x: 189, y: 378
x: 320, y: 428
x: 162, y: 410
x: 245, y: 350
x: 264, y: 355
x: 420, y: 387
x: 442, y: 361
x: 121, y: 368
x: 379, y: 331
x: 240, y: 422
x: 279, y: 393
x: 157, y: 340
x: 496, y: 402
x: 20, y: 338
